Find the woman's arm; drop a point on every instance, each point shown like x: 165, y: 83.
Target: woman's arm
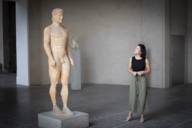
x: 147, y: 68
x: 130, y: 70
x: 68, y: 50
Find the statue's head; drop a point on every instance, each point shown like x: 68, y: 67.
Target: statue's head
x: 57, y: 15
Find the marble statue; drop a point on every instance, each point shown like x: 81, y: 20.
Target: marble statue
x: 74, y: 44
x: 56, y: 45
x: 76, y: 70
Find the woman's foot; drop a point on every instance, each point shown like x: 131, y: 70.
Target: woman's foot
x: 129, y: 116
x: 142, y: 119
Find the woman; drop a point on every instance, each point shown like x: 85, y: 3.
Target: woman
x: 138, y: 67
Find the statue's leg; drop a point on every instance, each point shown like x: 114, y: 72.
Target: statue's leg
x: 64, y: 80
x: 54, y: 74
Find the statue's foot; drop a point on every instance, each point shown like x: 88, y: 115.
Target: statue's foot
x: 57, y: 110
x: 67, y: 111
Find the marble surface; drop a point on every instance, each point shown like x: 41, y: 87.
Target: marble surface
x: 76, y: 70
x: 52, y: 120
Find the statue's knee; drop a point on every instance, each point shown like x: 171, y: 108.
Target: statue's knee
x: 64, y: 82
x: 52, y: 90
x: 54, y: 82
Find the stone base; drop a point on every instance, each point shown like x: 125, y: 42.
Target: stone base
x: 52, y: 120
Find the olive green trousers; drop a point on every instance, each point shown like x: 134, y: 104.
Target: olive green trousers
x: 137, y: 94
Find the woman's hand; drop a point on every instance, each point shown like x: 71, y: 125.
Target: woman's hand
x: 141, y: 73
x: 134, y: 73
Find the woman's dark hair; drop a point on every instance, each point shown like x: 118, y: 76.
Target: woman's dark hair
x: 143, y: 50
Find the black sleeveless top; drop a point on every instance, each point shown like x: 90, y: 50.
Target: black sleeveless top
x: 138, y: 65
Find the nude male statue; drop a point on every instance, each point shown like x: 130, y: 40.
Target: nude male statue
x: 56, y: 46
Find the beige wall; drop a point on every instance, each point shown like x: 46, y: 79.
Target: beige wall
x: 35, y: 43
x: 107, y: 32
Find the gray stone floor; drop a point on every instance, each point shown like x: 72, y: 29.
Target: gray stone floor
x: 106, y: 105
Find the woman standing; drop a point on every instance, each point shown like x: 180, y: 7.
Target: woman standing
x: 138, y: 67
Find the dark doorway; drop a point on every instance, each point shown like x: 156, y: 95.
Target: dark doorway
x: 178, y: 29
x: 9, y: 36
x: 178, y: 59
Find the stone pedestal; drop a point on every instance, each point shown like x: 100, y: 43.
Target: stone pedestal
x: 76, y: 70
x: 51, y: 120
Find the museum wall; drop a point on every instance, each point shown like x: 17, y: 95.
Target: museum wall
x: 153, y: 33
x: 189, y: 43
x: 35, y: 43
x: 178, y: 17
x: 107, y: 32
x: 1, y: 34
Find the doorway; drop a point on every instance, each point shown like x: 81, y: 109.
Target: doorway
x: 9, y: 36
x: 8, y: 75
x: 177, y: 59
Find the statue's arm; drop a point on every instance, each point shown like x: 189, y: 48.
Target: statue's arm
x: 68, y: 50
x: 46, y: 43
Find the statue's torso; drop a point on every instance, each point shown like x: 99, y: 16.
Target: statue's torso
x: 58, y: 42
